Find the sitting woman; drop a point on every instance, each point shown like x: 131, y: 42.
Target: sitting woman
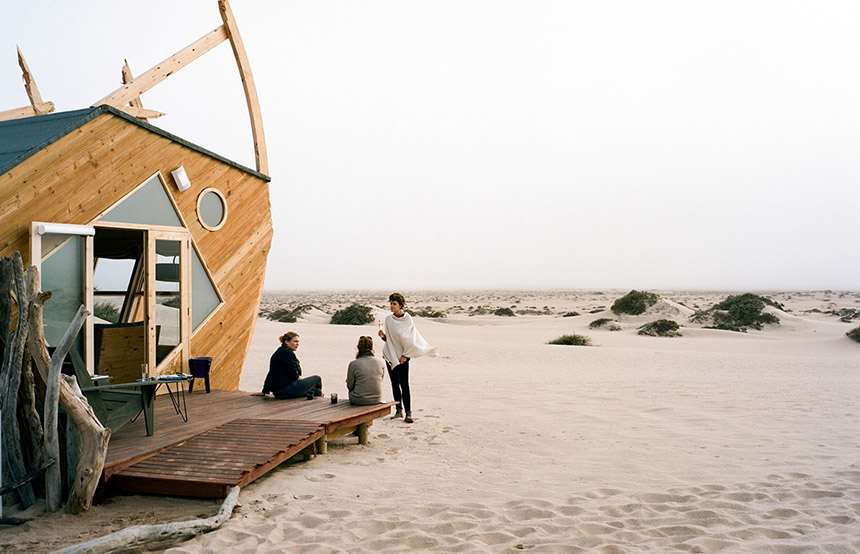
x: 364, y: 375
x: 284, y: 378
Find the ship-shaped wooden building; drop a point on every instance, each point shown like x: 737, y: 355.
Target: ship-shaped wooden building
x: 117, y: 212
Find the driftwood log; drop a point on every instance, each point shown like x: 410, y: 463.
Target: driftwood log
x: 28, y: 387
x: 53, y: 478
x: 10, y: 380
x: 5, y: 300
x: 140, y: 537
x: 94, y: 436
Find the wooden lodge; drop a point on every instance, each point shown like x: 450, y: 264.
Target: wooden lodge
x: 114, y: 210
x: 93, y: 196
x: 165, y: 245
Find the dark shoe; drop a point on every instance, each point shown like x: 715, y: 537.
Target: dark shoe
x: 398, y: 414
x: 318, y: 392
x: 408, y: 417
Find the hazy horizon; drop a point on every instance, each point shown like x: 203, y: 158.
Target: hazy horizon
x: 592, y: 290
x: 507, y: 145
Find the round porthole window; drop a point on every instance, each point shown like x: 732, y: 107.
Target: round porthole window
x: 211, y: 209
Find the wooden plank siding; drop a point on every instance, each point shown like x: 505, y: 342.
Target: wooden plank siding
x: 78, y: 177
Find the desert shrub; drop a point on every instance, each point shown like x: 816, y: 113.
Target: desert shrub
x: 599, y: 322
x: 660, y: 328
x: 845, y: 314
x: 534, y: 311
x: 739, y: 312
x: 571, y: 314
x: 106, y: 311
x: 480, y: 310
x: 572, y: 340
x: 634, y: 302
x: 427, y: 312
x: 507, y: 312
x: 355, y: 314
x: 284, y: 315
x: 854, y: 334
x: 288, y: 315
x: 596, y: 311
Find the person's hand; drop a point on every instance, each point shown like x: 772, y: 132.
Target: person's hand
x: 381, y: 334
x: 403, y: 359
x: 257, y: 394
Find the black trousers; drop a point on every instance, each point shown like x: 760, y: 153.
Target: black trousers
x: 300, y: 388
x: 400, y: 384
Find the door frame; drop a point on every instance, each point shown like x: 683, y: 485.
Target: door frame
x: 184, y: 346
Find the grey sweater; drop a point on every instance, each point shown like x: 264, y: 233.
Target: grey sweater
x: 364, y: 379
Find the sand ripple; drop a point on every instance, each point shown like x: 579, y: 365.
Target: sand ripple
x: 783, y: 514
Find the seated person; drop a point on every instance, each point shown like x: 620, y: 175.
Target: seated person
x: 364, y: 375
x: 285, y: 371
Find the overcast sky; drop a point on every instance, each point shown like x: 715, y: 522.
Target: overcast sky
x: 501, y: 144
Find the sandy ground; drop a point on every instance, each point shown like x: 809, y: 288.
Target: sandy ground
x: 712, y: 441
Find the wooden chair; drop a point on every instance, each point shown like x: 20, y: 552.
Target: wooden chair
x: 120, y: 349
x: 116, y: 405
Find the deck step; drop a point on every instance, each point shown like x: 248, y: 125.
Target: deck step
x: 208, y: 464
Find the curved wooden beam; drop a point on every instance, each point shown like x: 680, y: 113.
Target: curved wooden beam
x: 248, y: 83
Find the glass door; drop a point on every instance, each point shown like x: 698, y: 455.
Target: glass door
x: 168, y: 295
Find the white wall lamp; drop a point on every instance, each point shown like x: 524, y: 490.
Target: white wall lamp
x: 181, y: 178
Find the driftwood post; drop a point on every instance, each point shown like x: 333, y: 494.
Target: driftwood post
x: 53, y: 479
x: 27, y: 396
x: 5, y: 318
x: 10, y: 380
x: 5, y: 300
x: 93, y: 435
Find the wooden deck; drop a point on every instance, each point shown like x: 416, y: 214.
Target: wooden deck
x: 251, y: 435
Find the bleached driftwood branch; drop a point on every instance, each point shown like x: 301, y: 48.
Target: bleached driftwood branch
x: 10, y: 376
x: 53, y: 481
x: 94, y: 436
x: 137, y: 538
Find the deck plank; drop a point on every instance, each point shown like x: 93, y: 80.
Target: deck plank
x: 179, y: 470
x: 230, y: 438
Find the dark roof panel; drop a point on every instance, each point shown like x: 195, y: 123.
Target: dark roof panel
x: 21, y: 138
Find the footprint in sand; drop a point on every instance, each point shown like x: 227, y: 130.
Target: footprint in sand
x: 382, y: 436
x: 321, y: 477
